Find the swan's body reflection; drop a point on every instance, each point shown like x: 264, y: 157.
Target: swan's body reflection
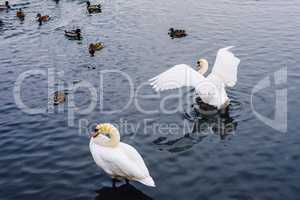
x: 205, y: 121
x: 124, y: 192
x: 218, y: 122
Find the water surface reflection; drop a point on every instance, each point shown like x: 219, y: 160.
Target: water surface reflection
x: 216, y: 123
x: 123, y: 192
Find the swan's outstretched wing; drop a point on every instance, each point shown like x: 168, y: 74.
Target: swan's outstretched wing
x: 177, y: 77
x: 226, y: 66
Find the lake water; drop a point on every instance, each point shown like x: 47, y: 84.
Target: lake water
x: 46, y: 155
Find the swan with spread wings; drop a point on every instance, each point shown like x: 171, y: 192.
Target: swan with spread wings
x: 212, y: 88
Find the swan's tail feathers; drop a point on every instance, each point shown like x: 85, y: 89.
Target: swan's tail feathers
x: 147, y: 181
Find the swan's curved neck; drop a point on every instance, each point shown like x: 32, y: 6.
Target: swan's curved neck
x: 112, y: 140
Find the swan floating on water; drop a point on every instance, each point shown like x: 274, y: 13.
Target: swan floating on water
x: 119, y: 160
x: 210, y: 89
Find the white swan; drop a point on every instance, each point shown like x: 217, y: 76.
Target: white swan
x: 117, y: 159
x: 211, y: 89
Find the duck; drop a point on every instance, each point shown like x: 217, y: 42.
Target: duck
x: 74, y: 34
x: 6, y: 6
x: 119, y: 160
x: 176, y: 33
x: 20, y: 14
x: 59, y: 97
x: 212, y: 88
x: 95, y: 47
x: 42, y: 18
x: 93, y: 8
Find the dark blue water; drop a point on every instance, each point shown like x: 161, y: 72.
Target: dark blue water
x: 236, y: 156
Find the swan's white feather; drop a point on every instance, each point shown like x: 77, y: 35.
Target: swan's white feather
x: 226, y: 66
x: 122, y: 161
x: 177, y: 77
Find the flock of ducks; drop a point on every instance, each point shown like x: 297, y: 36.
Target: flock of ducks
x: 71, y: 34
x: 122, y: 161
x: 76, y: 34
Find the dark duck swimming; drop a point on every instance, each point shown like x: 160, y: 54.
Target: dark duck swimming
x: 176, y: 33
x: 93, y: 8
x: 73, y: 34
x: 6, y: 6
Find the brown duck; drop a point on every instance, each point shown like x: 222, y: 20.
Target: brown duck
x: 20, y: 14
x: 42, y: 18
x: 59, y: 97
x: 93, y: 47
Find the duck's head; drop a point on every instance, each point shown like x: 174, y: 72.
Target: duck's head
x: 106, y: 135
x: 78, y: 30
x: 91, y: 49
x: 202, y: 66
x: 6, y: 3
x: 38, y: 15
x: 88, y: 3
x: 171, y: 29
